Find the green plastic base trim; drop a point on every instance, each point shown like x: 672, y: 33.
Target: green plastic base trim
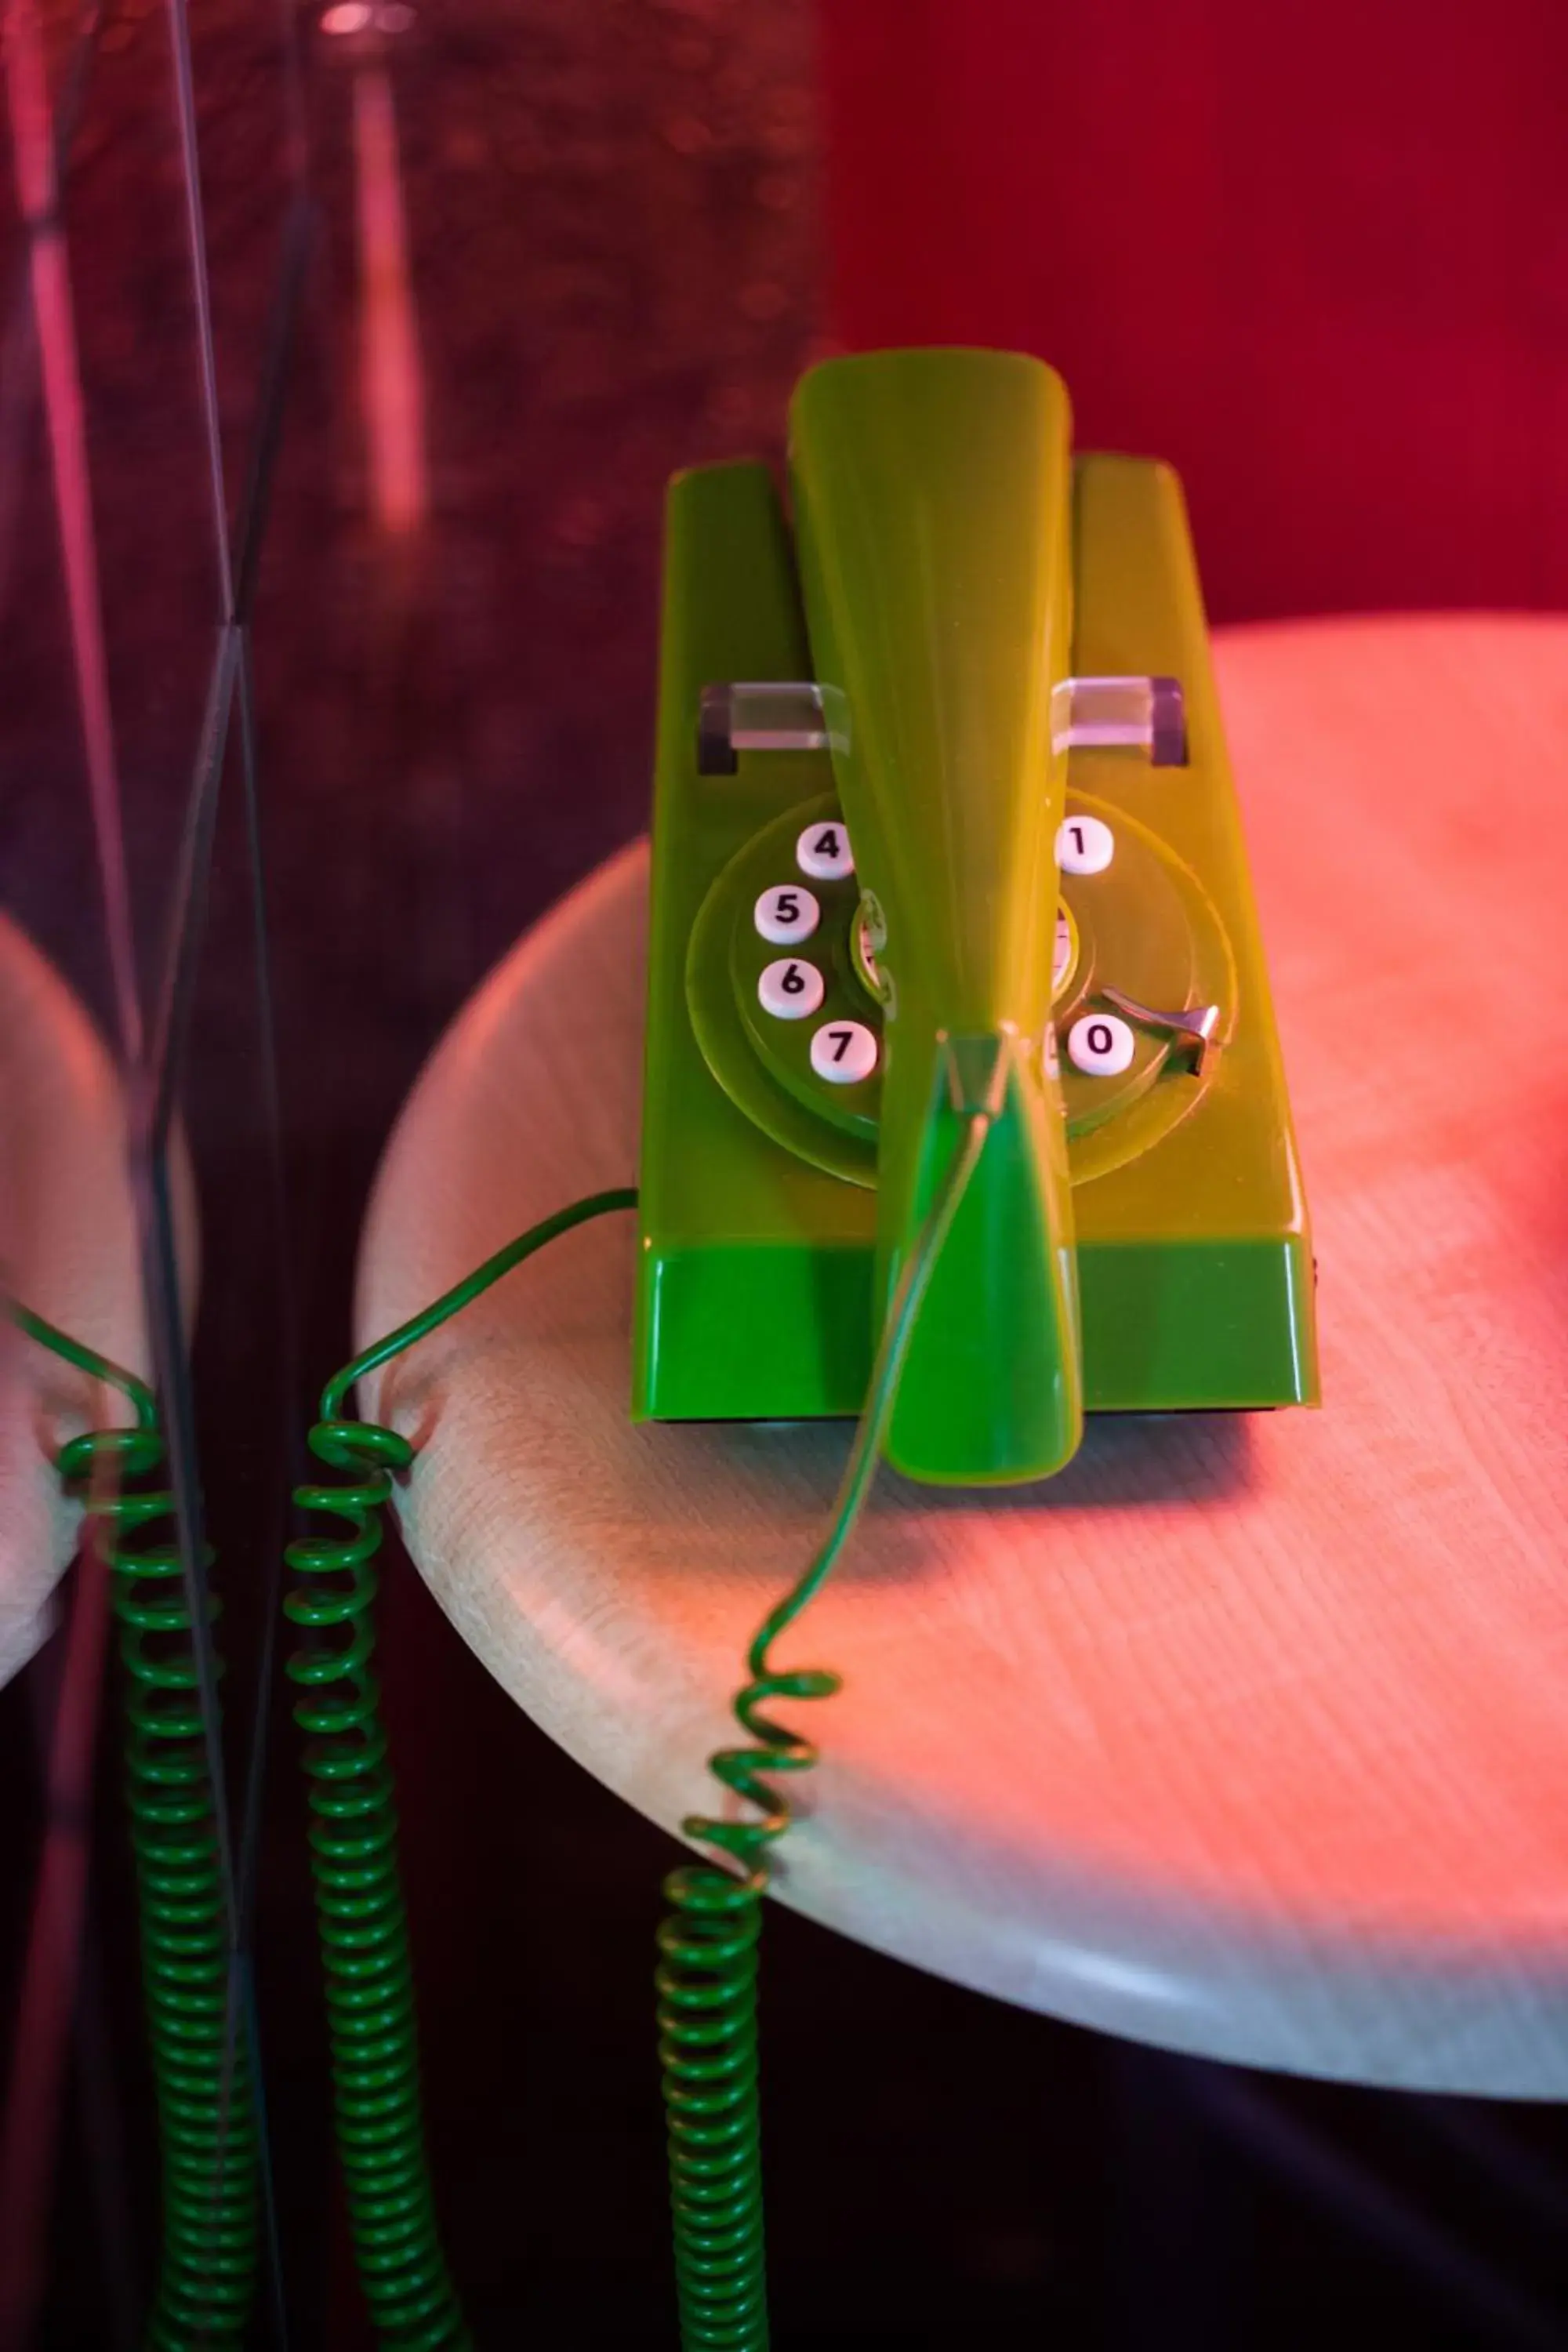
x: 1201, y: 1326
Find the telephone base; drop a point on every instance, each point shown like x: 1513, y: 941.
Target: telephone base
x: 1167, y: 1326
x: 759, y: 1172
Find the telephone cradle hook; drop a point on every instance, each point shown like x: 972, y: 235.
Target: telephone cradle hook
x: 1196, y: 1026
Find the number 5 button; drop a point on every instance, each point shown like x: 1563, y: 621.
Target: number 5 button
x: 789, y: 991
x: 843, y: 1051
x: 787, y: 916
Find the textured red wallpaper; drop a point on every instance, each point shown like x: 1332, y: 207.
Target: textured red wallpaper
x: 1317, y: 256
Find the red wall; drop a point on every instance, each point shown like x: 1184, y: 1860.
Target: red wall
x: 1315, y: 254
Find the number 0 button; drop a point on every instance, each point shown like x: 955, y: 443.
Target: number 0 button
x: 787, y: 916
x: 1100, y: 1045
x: 789, y: 991
x: 843, y: 1051
x: 823, y: 851
x: 1084, y: 846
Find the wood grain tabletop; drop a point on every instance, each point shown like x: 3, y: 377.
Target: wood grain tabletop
x: 1248, y: 1735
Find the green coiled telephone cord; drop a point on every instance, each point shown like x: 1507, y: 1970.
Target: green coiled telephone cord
x: 708, y: 1944
x: 205, y: 2125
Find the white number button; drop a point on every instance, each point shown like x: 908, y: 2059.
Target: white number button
x: 787, y: 916
x: 823, y: 851
x: 844, y: 1051
x: 1100, y: 1045
x: 789, y: 991
x: 1084, y: 846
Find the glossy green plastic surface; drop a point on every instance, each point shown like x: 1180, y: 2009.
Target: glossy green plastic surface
x: 932, y: 499
x: 1148, y: 1250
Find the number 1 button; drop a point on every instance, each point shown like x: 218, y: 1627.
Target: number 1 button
x: 1084, y: 846
x: 843, y: 1052
x: 787, y: 916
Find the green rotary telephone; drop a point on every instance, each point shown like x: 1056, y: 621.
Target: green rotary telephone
x: 943, y: 824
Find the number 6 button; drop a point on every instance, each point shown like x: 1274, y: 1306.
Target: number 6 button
x: 843, y: 1051
x: 789, y: 991
x: 787, y: 916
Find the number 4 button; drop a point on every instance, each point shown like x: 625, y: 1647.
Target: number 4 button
x: 843, y: 1052
x: 823, y: 851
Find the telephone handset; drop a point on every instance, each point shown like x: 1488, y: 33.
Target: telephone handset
x: 943, y: 823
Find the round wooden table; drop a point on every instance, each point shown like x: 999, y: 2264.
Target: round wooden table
x: 67, y: 1250
x: 1244, y: 1736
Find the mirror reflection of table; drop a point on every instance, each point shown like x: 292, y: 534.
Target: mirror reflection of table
x: 67, y: 1250
x: 1245, y: 1736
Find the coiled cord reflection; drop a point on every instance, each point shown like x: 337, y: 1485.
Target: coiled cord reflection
x: 205, y: 2125
x: 359, y: 1906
